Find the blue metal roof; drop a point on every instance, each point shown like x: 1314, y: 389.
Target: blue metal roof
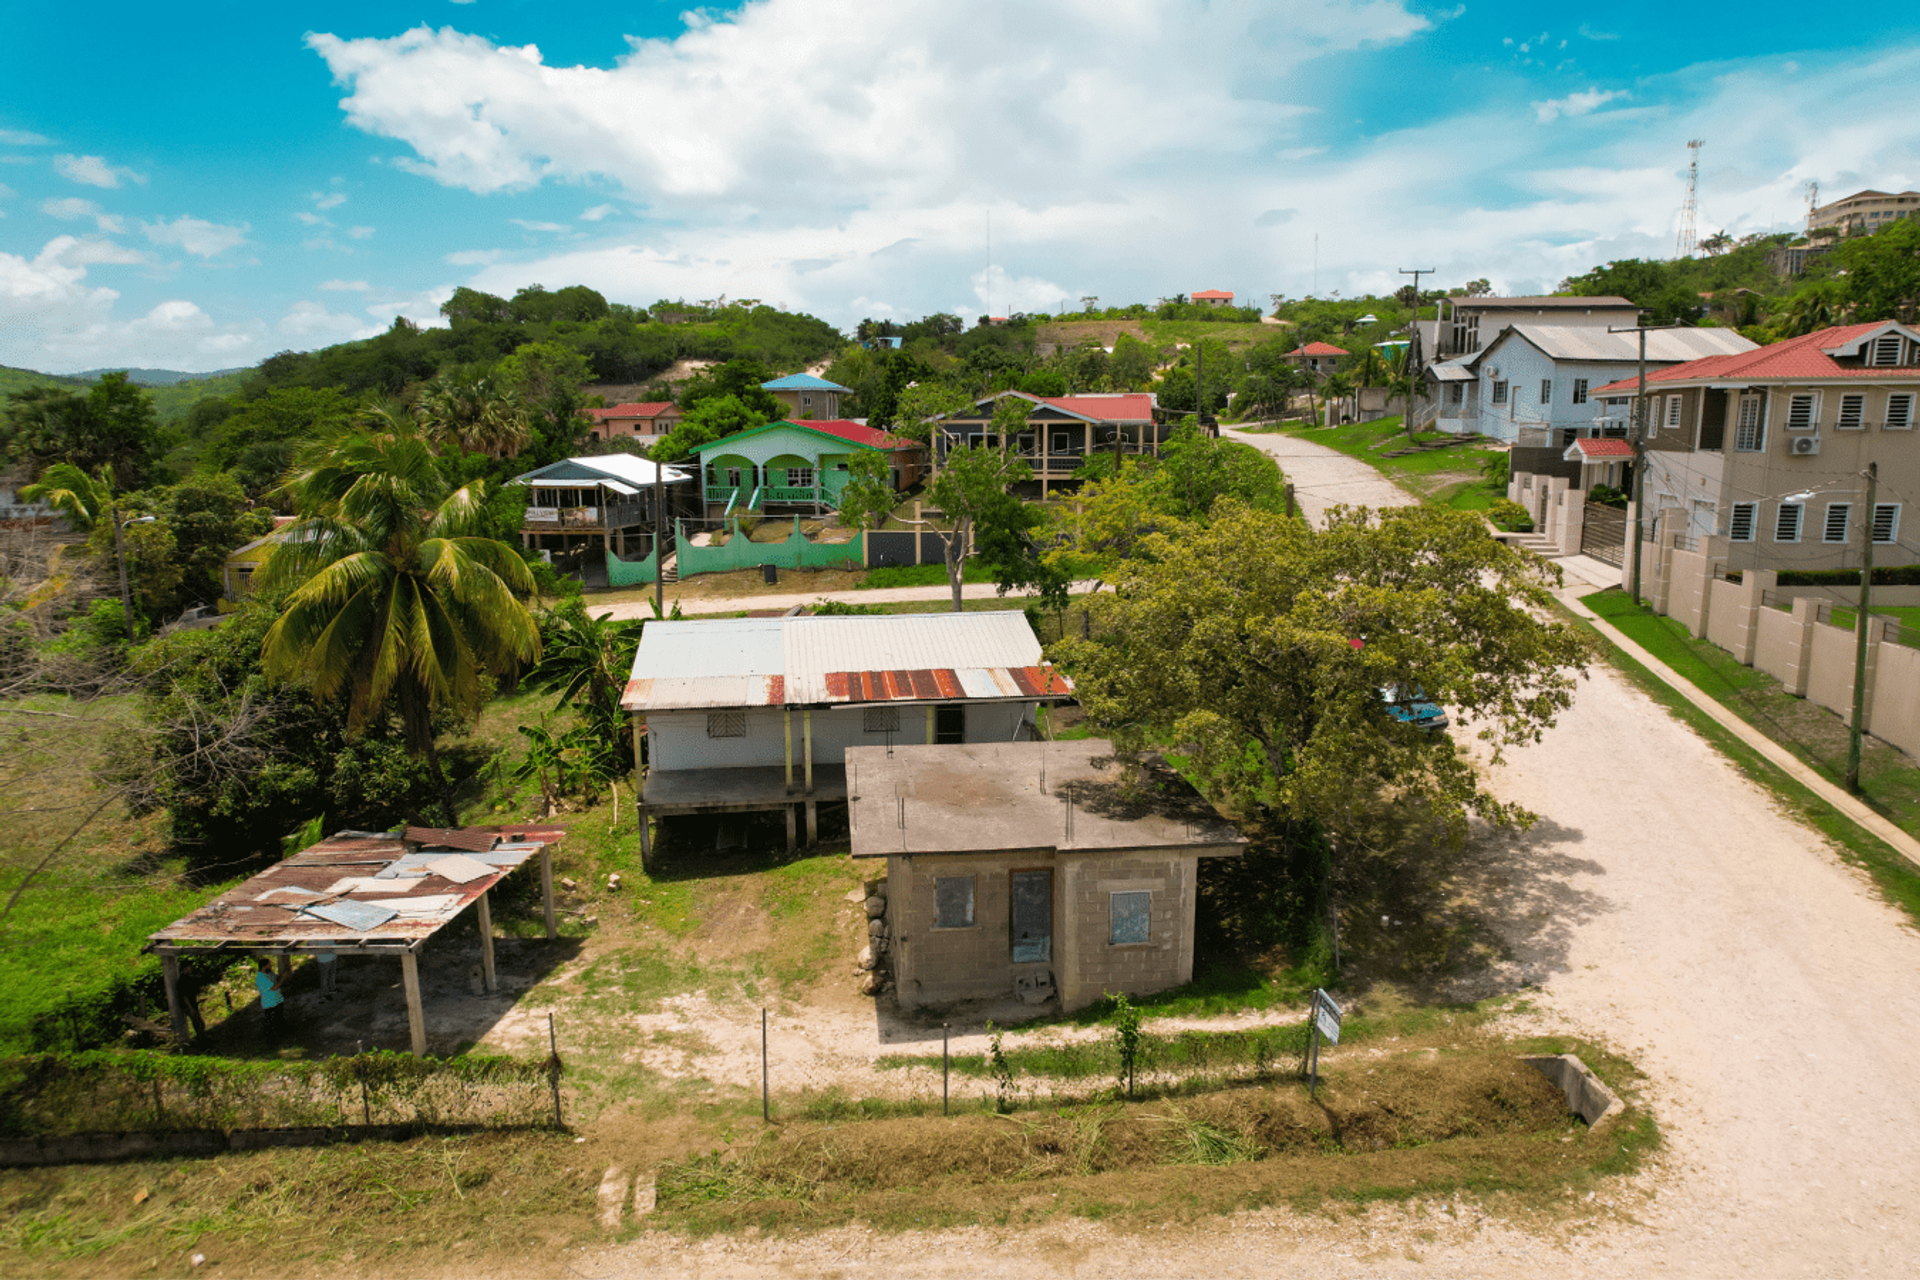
x: 801, y: 382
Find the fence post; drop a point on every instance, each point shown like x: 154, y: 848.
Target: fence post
x: 945, y: 1062
x: 553, y: 1070
x: 765, y: 1108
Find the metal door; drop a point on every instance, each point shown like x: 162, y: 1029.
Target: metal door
x: 1032, y: 917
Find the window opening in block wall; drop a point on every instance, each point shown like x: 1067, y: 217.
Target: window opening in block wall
x: 880, y: 720
x: 726, y: 724
x: 1131, y: 912
x: 953, y: 902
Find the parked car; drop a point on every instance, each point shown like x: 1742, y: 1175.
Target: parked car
x: 1409, y: 704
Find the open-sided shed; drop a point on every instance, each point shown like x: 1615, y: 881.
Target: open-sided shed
x: 363, y: 892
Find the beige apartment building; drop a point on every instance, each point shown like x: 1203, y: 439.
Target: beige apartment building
x: 1764, y: 451
x: 1864, y: 212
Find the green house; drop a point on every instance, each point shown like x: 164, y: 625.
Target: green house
x: 790, y: 464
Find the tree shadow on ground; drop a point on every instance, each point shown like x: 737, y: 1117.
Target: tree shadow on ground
x: 1460, y: 920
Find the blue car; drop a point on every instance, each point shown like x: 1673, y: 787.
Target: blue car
x: 1409, y: 704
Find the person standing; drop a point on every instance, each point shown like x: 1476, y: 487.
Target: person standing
x: 272, y: 1003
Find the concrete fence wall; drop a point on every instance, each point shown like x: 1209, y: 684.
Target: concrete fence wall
x: 1810, y: 658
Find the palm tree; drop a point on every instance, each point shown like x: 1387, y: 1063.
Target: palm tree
x: 395, y: 601
x: 476, y: 416
x: 80, y: 497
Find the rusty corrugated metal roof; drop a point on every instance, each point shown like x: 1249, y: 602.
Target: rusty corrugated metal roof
x: 274, y: 908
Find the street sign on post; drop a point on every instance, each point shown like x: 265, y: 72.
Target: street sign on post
x: 1326, y: 1015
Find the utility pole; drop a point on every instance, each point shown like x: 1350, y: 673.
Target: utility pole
x: 1411, y: 332
x: 660, y: 536
x: 1639, y: 452
x: 1860, y: 632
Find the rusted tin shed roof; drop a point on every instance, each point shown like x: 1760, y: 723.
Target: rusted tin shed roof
x: 821, y: 661
x: 360, y: 877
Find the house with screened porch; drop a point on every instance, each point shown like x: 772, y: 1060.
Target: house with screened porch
x: 1757, y: 457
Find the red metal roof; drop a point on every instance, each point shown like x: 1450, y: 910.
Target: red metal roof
x: 1796, y: 359
x: 1318, y: 349
x: 1604, y: 447
x: 1132, y: 407
x: 651, y: 409
x: 858, y: 433
x: 1212, y: 293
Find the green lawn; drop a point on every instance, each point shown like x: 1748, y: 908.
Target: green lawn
x: 1906, y: 614
x: 1437, y: 476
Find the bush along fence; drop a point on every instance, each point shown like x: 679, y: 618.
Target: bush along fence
x: 796, y: 551
x: 104, y: 1104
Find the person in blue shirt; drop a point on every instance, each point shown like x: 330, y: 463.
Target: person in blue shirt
x: 272, y: 1003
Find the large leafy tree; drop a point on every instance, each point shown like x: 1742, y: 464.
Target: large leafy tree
x: 113, y: 425
x: 395, y: 601
x: 983, y: 518
x: 711, y: 419
x: 476, y: 415
x: 1883, y: 272
x: 1263, y: 645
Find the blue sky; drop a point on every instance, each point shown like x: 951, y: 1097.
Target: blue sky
x: 201, y: 187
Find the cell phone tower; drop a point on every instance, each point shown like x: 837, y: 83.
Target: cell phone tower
x: 1689, y: 212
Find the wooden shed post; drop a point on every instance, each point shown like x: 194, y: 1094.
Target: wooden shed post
x: 176, y: 1007
x: 806, y: 744
x: 416, y: 1017
x: 786, y: 715
x: 486, y: 940
x: 546, y: 890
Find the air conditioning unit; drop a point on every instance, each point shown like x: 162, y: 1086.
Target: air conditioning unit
x: 1493, y: 371
x: 1801, y: 446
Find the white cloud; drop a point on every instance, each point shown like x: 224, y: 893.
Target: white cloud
x: 7, y: 192
x: 353, y: 286
x: 474, y: 258
x: 360, y: 233
x: 21, y: 138
x: 70, y: 208
x: 312, y: 325
x: 201, y: 238
x: 311, y: 219
x: 1575, y: 104
x: 93, y: 171
x: 52, y: 318
x: 333, y: 201
x: 539, y: 226
x: 598, y: 212
x: 776, y: 105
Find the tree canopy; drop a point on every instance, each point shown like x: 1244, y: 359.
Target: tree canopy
x: 1262, y: 646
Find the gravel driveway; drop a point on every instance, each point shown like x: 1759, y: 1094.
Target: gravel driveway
x: 1664, y: 906
x: 1323, y: 477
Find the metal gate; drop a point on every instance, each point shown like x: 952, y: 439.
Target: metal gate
x: 1603, y: 533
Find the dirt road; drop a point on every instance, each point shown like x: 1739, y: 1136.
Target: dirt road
x: 1322, y: 477
x: 1663, y: 906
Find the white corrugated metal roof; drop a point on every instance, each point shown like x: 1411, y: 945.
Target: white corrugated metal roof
x: 626, y: 467
x: 1567, y: 342
x: 907, y: 642
x: 1453, y: 370
x: 809, y: 661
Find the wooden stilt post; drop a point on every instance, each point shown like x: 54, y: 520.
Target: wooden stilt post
x: 176, y: 1007
x: 646, y: 841
x: 546, y: 891
x: 486, y: 941
x: 790, y: 831
x: 416, y: 1017
x: 806, y: 744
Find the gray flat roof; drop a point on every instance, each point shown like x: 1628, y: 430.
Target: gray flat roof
x: 996, y: 797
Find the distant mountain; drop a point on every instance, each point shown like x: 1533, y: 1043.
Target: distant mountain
x: 12, y: 379
x: 158, y: 377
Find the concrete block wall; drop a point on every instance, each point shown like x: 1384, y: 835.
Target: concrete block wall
x: 1895, y: 705
x: 1733, y: 613
x: 1091, y: 966
x: 1830, y: 675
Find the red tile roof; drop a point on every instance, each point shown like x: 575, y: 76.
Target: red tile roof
x: 1797, y: 359
x: 651, y: 409
x: 1212, y: 293
x: 872, y: 437
x: 1605, y: 447
x: 1318, y: 349
x: 1132, y: 407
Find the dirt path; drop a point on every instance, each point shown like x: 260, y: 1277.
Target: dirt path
x: 693, y: 605
x: 1663, y: 906
x: 1324, y: 477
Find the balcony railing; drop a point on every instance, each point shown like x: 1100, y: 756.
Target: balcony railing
x: 615, y: 516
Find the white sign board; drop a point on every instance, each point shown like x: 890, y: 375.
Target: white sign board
x: 1326, y: 1016
x: 544, y: 515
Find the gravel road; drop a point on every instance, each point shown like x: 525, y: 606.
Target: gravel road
x: 1322, y: 477
x: 1663, y: 906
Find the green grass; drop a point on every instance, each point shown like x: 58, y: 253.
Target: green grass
x: 1430, y: 476
x: 1890, y: 784
x: 922, y: 575
x: 1907, y: 615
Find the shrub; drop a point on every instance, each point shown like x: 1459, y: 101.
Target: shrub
x: 1510, y: 516
x: 1607, y: 496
